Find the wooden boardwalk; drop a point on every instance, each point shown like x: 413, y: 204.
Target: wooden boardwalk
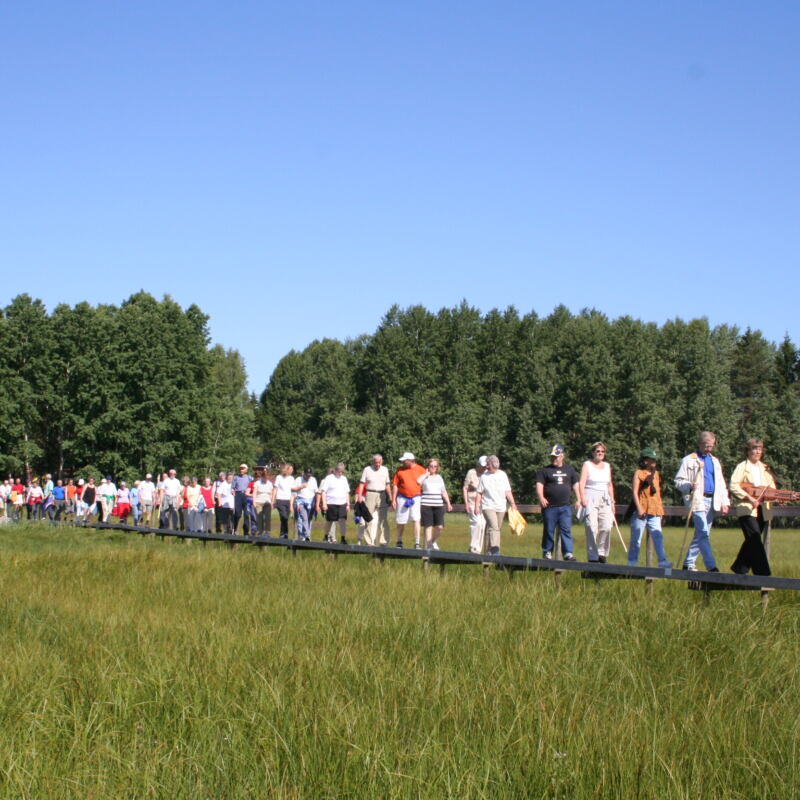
x: 703, y: 581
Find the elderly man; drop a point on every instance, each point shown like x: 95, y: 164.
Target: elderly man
x: 477, y: 524
x: 406, y: 493
x: 492, y: 498
x: 701, y: 482
x: 170, y: 500
x: 376, y: 485
x: 555, y: 485
x: 147, y: 494
x: 240, y: 485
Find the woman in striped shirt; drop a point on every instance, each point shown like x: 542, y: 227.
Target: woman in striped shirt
x: 432, y: 504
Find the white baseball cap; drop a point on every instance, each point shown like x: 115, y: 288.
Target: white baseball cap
x: 407, y: 457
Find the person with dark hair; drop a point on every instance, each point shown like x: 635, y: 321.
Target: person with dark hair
x: 750, y: 476
x: 555, y: 485
x: 648, y: 509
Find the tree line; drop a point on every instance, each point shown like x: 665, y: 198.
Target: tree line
x: 456, y: 384
x: 119, y: 390
x: 138, y: 387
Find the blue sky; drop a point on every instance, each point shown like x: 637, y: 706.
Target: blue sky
x: 295, y: 169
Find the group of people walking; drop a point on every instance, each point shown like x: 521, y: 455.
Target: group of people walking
x: 241, y: 503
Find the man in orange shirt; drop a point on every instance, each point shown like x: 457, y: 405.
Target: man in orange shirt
x: 406, y: 496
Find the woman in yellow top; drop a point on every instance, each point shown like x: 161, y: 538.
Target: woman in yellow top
x: 648, y: 508
x: 754, y: 514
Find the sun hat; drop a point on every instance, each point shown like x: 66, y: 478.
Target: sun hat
x: 407, y: 457
x: 482, y: 461
x: 558, y: 450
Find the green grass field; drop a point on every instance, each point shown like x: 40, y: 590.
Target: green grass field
x: 135, y: 668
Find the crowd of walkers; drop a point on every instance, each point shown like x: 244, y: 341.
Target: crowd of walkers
x: 242, y: 503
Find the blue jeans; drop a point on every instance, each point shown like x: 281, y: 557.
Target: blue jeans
x: 302, y: 518
x: 561, y: 516
x: 653, y: 524
x: 701, y: 542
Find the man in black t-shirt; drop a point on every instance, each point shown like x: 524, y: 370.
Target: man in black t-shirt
x: 555, y: 484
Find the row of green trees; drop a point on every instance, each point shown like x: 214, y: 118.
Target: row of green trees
x: 456, y: 384
x: 120, y: 390
x: 138, y: 387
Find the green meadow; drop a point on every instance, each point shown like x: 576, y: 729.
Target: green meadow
x: 136, y: 668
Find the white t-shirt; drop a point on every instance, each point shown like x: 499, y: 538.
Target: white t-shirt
x: 432, y: 488
x: 172, y: 487
x: 493, y: 486
x: 310, y: 490
x: 262, y: 492
x: 336, y: 489
x: 146, y: 491
x: 375, y: 479
x: 284, y: 484
x: 225, y: 495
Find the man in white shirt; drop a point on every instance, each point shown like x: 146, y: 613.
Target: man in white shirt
x: 701, y: 482
x: 334, y: 501
x: 376, y: 486
x: 147, y: 493
x: 170, y: 501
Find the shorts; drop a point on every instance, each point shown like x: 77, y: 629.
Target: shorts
x: 432, y: 516
x: 407, y: 513
x: 335, y: 513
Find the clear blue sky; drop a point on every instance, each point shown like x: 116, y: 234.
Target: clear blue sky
x: 296, y: 168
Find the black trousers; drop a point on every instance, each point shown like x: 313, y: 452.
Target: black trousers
x: 284, y: 512
x: 752, y: 555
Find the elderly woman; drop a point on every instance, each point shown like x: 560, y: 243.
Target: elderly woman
x: 749, y: 477
x: 597, y: 499
x: 492, y: 499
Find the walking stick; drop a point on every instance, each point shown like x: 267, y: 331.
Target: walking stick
x: 620, y: 535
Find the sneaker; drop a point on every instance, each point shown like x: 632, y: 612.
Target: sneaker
x: 474, y: 550
x: 602, y: 559
x: 434, y: 546
x: 399, y: 543
x: 344, y: 540
x: 689, y: 567
x: 547, y: 554
x: 664, y: 564
x: 569, y: 557
x: 713, y: 569
x: 417, y: 546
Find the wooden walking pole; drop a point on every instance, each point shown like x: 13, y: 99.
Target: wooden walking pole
x: 620, y: 534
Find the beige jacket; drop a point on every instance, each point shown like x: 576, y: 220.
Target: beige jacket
x: 744, y: 473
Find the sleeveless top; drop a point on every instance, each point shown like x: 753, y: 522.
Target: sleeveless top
x: 597, y: 480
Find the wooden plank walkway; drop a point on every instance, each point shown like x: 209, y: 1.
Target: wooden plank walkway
x: 704, y: 581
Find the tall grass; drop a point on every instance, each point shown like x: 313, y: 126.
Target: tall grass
x: 135, y: 668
